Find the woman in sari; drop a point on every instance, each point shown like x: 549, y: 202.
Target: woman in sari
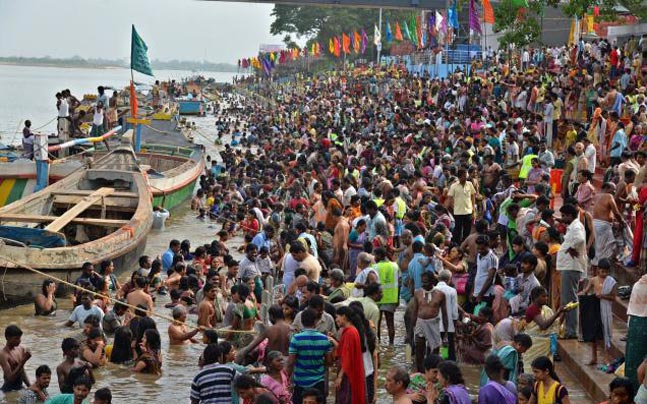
x: 277, y: 380
x: 350, y: 383
x: 477, y: 344
x: 453, y: 385
x: 541, y: 326
x: 250, y: 391
x: 150, y: 360
x: 497, y: 390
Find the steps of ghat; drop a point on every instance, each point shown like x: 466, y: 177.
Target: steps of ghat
x: 575, y: 356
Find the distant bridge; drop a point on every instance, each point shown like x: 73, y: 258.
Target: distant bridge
x: 394, y: 4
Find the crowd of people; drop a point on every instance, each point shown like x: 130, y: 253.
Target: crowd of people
x: 466, y: 203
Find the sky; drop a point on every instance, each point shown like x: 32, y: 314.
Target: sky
x: 173, y: 29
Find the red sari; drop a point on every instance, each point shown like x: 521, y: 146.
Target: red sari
x: 639, y: 229
x: 349, y: 353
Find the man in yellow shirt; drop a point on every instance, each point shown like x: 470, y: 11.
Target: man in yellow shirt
x: 462, y: 196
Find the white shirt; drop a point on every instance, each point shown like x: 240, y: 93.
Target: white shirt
x: 526, y: 56
x: 79, y: 314
x: 63, y: 109
x: 97, y: 119
x: 451, y: 306
x: 575, y: 238
x: 590, y: 154
x: 348, y: 193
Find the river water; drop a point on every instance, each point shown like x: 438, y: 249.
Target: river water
x: 28, y: 92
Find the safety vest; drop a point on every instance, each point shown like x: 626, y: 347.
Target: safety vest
x: 388, y: 273
x: 526, y: 165
x: 400, y: 208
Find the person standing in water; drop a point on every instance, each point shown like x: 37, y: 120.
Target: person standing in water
x: 13, y: 358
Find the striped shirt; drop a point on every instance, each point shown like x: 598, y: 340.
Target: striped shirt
x: 213, y: 384
x: 310, y: 347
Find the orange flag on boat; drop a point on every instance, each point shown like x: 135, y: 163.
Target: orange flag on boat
x: 133, y: 100
x: 345, y: 43
x: 398, y: 32
x: 488, y: 12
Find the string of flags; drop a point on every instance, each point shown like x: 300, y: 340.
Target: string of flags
x: 439, y: 28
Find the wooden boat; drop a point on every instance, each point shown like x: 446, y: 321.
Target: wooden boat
x: 173, y: 167
x: 191, y: 107
x: 104, y: 212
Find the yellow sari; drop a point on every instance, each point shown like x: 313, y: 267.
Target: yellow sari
x: 540, y: 339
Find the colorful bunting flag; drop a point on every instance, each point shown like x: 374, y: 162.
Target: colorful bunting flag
x: 421, y: 39
x: 377, y: 35
x: 357, y: 41
x: 364, y: 41
x: 331, y: 46
x: 440, y: 22
x: 475, y: 24
x: 389, y: 34
x: 337, y: 47
x: 345, y: 43
x: 488, y: 12
x: 452, y: 16
x: 413, y: 32
x: 405, y: 31
x: 398, y: 32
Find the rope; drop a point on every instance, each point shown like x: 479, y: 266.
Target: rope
x: 82, y: 289
x: 41, y: 127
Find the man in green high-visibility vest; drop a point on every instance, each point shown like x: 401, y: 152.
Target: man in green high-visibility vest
x: 389, y: 275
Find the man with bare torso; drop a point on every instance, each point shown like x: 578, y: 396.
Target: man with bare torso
x: 277, y: 335
x: 491, y: 172
x: 207, y: 307
x: 12, y: 360
x: 340, y: 239
x: 604, y: 211
x: 428, y: 304
x: 139, y: 295
x: 178, y: 331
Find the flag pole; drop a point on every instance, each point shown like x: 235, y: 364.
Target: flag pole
x: 379, y: 46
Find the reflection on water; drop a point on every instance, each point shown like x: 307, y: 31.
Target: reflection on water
x: 180, y: 363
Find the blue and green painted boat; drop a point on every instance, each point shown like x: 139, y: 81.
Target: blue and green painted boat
x: 171, y: 162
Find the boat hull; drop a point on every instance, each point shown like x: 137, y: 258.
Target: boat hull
x: 191, y: 108
x: 102, y: 213
x: 20, y: 285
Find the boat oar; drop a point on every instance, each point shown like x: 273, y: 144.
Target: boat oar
x: 82, y: 289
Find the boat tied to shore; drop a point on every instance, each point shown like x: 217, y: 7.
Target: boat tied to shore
x: 97, y: 213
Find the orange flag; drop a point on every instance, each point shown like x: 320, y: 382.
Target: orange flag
x: 337, y: 51
x: 488, y: 12
x: 398, y: 32
x: 345, y: 43
x: 357, y: 40
x: 133, y: 100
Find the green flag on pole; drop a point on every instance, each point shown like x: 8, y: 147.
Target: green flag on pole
x: 138, y: 57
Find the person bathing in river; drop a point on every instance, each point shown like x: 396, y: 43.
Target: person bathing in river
x: 72, y: 367
x: 37, y: 392
x: 178, y: 331
x: 45, y: 303
x: 13, y: 358
x: 80, y: 392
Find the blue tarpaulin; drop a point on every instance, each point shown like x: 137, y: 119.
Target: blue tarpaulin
x: 32, y: 237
